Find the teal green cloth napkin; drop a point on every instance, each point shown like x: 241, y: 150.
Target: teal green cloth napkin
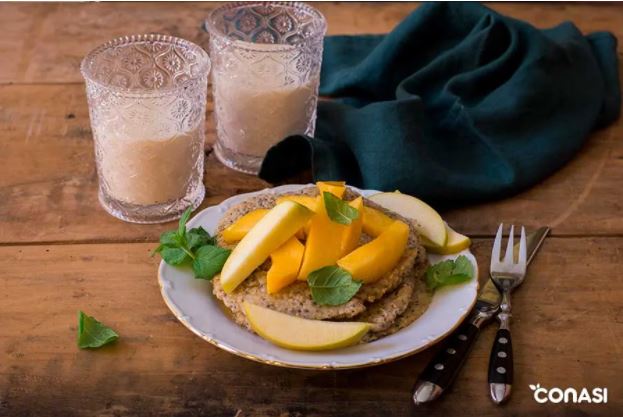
x: 457, y: 104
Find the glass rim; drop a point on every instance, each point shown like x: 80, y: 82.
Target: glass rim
x: 205, y: 63
x: 210, y: 26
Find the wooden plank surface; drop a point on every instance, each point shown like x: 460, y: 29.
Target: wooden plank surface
x: 567, y: 329
x: 59, y: 252
x: 48, y: 183
x: 59, y: 35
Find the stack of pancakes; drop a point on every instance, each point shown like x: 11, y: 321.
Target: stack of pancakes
x: 393, y: 302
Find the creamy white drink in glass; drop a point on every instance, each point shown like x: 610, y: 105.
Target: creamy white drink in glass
x: 147, y: 98
x: 266, y: 68
x: 150, y: 170
x: 253, y: 117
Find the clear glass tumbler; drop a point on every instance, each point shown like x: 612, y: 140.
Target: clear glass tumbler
x: 147, y: 100
x: 266, y: 60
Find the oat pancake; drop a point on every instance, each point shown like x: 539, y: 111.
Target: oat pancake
x: 384, y: 303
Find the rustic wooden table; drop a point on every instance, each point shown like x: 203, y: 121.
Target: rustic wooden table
x: 60, y: 252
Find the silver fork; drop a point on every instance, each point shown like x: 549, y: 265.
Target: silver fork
x: 506, y: 275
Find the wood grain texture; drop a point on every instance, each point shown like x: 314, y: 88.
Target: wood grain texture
x: 47, y: 41
x: 567, y: 327
x: 567, y: 330
x: 48, y: 182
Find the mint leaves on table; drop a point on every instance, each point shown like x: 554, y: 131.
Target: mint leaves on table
x: 449, y: 272
x: 195, y: 247
x: 92, y: 333
x: 339, y: 210
x: 332, y: 286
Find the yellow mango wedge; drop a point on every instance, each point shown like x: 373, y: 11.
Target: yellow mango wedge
x: 352, y: 233
x: 297, y: 333
x: 456, y: 242
x: 286, y: 261
x: 306, y: 200
x: 237, y: 230
x: 273, y: 230
x: 375, y: 222
x: 337, y: 188
x: 324, y: 242
x: 371, y: 261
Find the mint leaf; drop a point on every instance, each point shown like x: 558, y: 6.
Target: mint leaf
x: 339, y: 210
x: 462, y: 265
x: 199, y: 237
x: 332, y: 285
x: 181, y: 229
x: 209, y: 261
x: 174, y: 256
x: 449, y: 272
x: 169, y: 238
x: 92, y: 333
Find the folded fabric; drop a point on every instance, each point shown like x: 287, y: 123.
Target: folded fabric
x: 457, y: 104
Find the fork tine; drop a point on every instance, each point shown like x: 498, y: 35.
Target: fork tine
x: 508, y: 257
x: 522, y: 248
x: 497, y: 247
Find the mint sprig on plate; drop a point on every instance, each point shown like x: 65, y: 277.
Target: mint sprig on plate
x: 195, y: 247
x: 332, y: 286
x: 92, y: 333
x: 449, y: 272
x: 338, y: 210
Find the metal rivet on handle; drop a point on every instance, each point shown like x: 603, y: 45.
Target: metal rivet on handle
x: 501, y: 354
x: 503, y: 340
x: 451, y: 351
x: 462, y: 337
x: 501, y: 370
x: 439, y: 367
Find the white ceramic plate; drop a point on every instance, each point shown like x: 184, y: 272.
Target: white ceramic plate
x: 192, y: 302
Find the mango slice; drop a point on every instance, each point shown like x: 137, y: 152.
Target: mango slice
x: 237, y: 230
x: 371, y: 261
x: 337, y: 188
x: 286, y: 261
x: 375, y: 221
x: 297, y: 333
x: 324, y: 242
x: 273, y: 230
x: 352, y: 233
x: 306, y: 200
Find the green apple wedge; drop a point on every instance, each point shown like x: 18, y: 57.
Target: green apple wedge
x: 297, y: 333
x: 456, y: 243
x: 273, y: 230
x: 428, y: 222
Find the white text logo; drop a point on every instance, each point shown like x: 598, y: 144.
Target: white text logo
x: 569, y: 395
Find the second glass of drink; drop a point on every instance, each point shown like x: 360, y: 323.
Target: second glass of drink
x: 266, y: 60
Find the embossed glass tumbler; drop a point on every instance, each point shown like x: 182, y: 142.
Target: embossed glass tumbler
x: 147, y: 100
x: 266, y: 68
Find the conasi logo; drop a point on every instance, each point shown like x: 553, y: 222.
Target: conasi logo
x: 569, y: 395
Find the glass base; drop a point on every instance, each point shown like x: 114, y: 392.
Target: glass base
x: 238, y: 161
x: 155, y: 213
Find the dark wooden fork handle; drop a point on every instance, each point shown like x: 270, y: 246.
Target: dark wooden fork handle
x: 501, y: 367
x: 445, y: 365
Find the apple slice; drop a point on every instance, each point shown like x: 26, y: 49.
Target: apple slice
x: 269, y: 233
x: 428, y: 222
x: 456, y: 242
x: 293, y: 332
